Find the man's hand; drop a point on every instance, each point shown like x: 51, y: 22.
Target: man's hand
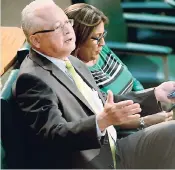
x: 117, y: 113
x: 162, y: 91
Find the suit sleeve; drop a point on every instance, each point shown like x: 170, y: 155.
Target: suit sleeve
x: 41, y: 109
x: 146, y: 99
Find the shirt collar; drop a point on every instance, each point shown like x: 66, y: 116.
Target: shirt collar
x: 58, y: 62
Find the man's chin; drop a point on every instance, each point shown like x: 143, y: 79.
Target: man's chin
x: 72, y: 47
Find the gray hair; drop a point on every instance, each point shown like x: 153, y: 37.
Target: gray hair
x: 29, y: 20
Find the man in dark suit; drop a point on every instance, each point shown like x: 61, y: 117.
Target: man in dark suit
x: 63, y: 128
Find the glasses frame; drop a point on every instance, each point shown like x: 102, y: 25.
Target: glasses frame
x: 100, y: 37
x: 71, y: 21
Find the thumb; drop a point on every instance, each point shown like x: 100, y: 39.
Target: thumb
x: 110, y: 97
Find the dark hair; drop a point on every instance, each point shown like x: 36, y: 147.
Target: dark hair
x: 86, y: 17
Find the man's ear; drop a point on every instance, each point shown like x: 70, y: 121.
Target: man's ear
x: 35, y: 40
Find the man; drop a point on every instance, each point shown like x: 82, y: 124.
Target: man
x: 68, y: 127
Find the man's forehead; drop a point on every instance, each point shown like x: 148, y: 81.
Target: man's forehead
x: 54, y: 13
x: 51, y: 14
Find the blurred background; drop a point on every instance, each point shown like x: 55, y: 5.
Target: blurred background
x: 140, y: 32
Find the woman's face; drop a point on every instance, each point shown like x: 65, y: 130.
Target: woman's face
x: 91, y: 48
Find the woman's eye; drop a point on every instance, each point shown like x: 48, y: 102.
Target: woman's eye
x: 97, y: 37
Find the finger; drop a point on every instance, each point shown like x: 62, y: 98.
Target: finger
x: 130, y: 113
x: 130, y: 118
x: 123, y: 104
x: 127, y: 109
x: 173, y: 83
x: 136, y: 116
x: 110, y: 97
x: 172, y: 100
x: 134, y: 111
x: 169, y: 114
x: 170, y: 118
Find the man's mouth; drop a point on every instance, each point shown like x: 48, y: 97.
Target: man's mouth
x: 70, y: 39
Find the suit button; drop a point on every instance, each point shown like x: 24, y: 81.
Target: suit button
x: 106, y: 141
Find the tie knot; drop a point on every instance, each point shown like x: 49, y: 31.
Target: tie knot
x: 68, y: 64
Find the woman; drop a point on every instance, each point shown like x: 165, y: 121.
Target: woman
x: 108, y: 71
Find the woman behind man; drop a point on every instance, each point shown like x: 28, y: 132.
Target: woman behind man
x: 107, y: 69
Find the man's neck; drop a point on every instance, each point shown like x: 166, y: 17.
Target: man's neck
x: 46, y: 55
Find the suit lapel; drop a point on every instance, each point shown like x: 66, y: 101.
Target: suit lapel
x: 59, y: 75
x: 86, y: 77
x: 69, y: 85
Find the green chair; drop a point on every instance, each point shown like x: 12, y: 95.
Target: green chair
x: 152, y: 7
x: 11, y: 133
x: 3, y: 163
x: 144, y: 27
x: 148, y: 63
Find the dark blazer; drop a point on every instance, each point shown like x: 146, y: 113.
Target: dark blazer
x: 59, y: 124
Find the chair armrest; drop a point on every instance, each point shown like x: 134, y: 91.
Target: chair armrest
x: 150, y: 20
x: 21, y: 54
x: 137, y: 48
x: 170, y: 2
x: 148, y: 7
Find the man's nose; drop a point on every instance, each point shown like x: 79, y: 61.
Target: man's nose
x: 65, y: 30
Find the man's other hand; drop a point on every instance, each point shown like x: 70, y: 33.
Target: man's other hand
x: 163, y: 90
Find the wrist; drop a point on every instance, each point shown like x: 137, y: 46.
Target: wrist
x: 102, y: 124
x: 142, y: 123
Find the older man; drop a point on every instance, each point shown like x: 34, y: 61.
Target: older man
x: 69, y: 123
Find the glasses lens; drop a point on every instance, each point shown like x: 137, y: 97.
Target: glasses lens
x: 102, y: 36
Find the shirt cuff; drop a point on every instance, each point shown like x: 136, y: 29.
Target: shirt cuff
x: 99, y: 133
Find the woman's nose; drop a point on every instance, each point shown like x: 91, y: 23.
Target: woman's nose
x: 101, y: 42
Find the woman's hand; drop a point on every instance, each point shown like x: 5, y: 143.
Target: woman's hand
x: 149, y: 120
x: 158, y: 118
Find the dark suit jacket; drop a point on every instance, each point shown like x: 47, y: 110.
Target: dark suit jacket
x: 59, y: 124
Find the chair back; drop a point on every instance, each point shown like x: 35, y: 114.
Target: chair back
x: 23, y: 52
x: 148, y: 69
x: 10, y: 131
x: 117, y: 29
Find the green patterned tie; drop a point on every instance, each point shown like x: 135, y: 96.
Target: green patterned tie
x: 95, y: 103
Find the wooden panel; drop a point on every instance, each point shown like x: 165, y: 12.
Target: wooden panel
x: 11, y: 10
x: 12, y: 39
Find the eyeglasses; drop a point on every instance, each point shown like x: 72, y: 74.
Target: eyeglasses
x: 98, y: 39
x: 58, y: 27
